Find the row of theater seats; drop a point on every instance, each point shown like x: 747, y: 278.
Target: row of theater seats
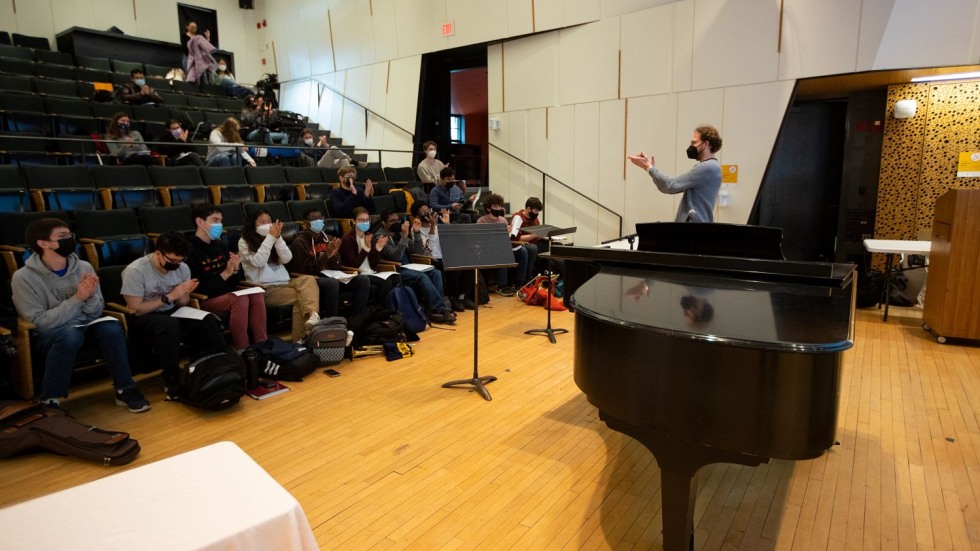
x: 36, y: 187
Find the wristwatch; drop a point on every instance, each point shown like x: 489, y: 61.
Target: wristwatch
x: 165, y: 299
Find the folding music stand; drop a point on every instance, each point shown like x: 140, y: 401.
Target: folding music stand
x: 550, y: 232
x: 471, y: 247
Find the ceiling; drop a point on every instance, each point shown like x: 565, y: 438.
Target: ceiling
x: 840, y: 86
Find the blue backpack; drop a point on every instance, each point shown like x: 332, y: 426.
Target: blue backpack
x: 402, y: 300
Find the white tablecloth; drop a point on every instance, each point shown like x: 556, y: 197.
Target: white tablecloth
x: 896, y: 246
x: 212, y: 498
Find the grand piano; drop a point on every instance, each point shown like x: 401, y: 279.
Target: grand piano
x: 727, y: 357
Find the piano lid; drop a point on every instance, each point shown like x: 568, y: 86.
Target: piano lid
x: 711, y: 307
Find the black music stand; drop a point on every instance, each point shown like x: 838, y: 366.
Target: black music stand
x: 550, y: 232
x: 471, y: 247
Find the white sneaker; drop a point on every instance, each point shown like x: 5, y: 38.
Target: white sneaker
x: 312, y: 321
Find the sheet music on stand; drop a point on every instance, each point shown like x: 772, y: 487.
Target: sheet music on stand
x: 546, y: 231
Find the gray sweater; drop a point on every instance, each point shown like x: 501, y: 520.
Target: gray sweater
x: 700, y: 186
x: 48, y: 301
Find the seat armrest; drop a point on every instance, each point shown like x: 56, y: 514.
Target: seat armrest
x: 423, y: 259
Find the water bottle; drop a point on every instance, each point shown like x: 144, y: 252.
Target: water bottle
x: 251, y: 358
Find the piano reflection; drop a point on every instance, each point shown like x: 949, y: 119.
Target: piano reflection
x: 727, y: 357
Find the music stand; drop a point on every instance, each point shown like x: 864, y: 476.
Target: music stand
x: 471, y: 247
x: 550, y: 232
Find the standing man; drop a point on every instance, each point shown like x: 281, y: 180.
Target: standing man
x: 59, y: 293
x: 700, y: 185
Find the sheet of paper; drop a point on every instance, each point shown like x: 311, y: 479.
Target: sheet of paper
x: 342, y: 277
x: 97, y: 320
x: 417, y: 267
x: 248, y: 291
x: 190, y: 313
x: 383, y: 275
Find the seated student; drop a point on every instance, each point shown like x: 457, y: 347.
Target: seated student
x: 313, y: 250
x: 126, y: 145
x: 177, y: 150
x: 264, y: 257
x: 346, y: 197
x: 137, y: 91
x: 155, y: 286
x: 224, y: 78
x: 58, y: 292
x: 494, y: 205
x: 227, y: 155
x: 448, y: 194
x: 428, y: 284
x: 528, y: 216
x: 359, y: 249
x: 258, y: 116
x: 216, y: 271
x: 425, y: 224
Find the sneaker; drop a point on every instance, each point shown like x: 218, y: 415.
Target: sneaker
x: 53, y: 402
x: 443, y: 316
x: 132, y: 399
x: 507, y: 291
x: 312, y: 321
x: 457, y: 304
x: 170, y: 395
x: 468, y: 304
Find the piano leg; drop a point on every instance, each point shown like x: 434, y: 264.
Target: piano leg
x: 679, y: 461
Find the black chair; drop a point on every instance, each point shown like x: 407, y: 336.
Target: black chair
x: 297, y: 208
x: 16, y: 52
x: 190, y: 120
x: 182, y: 184
x: 172, y: 99
x: 374, y: 173
x: 13, y: 193
x: 11, y: 66
x: 78, y: 127
x: 36, y: 42
x: 5, y: 38
x: 91, y: 75
x: 270, y: 183
x: 156, y: 70
x: 106, y: 111
x: 233, y: 220
x: 188, y: 88
x: 17, y: 84
x: 278, y: 211
x: 51, y: 57
x: 88, y: 62
x: 56, y: 88
x: 385, y: 202
x: 125, y: 67
x: 227, y: 184
x: 23, y: 113
x: 303, y: 175
x: 230, y: 105
x: 382, y: 188
x: 125, y: 186
x: 67, y: 106
x: 330, y: 175
x: 12, y: 230
x: 203, y: 103
x: 151, y: 113
x: 58, y: 72
x: 111, y: 237
x: 120, y: 79
x: 214, y: 117
x: 25, y: 147
x: 399, y: 174
x: 67, y: 188
x: 156, y: 220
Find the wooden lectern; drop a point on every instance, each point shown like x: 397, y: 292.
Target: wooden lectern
x: 952, y: 295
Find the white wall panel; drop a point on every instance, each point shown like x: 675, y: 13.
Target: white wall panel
x: 530, y: 72
x: 517, y: 137
x: 612, y: 156
x: 475, y: 21
x: 36, y: 19
x: 318, y: 38
x: 693, y: 110
x: 806, y: 50
x: 156, y: 20
x: 874, y: 22
x: 647, y: 40
x: 403, y: 91
x: 589, y: 62
x: 9, y: 18
x: 612, y: 8
x: 419, y: 26
x: 650, y: 127
x: 575, y: 12
x: 585, y: 157
x: 518, y: 17
x: 910, y: 39
x: 735, y: 42
x: 358, y: 85
x: 352, y: 31
x: 379, y: 92
x: 608, y: 226
x: 683, y: 56
x: 353, y: 128
x: 67, y: 14
x: 396, y: 139
x: 548, y: 14
x: 559, y: 204
x: 495, y: 75
x: 752, y: 118
x: 561, y: 144
x: 586, y: 220
x: 385, y: 29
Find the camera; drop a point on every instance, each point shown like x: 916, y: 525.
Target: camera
x: 267, y: 88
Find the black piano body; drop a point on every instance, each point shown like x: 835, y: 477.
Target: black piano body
x: 710, y: 359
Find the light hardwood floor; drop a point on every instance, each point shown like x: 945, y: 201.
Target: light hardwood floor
x: 382, y: 457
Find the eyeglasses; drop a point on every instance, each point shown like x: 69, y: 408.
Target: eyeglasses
x: 424, y: 213
x: 168, y: 259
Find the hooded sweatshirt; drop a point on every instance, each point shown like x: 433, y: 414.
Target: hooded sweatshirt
x: 47, y: 300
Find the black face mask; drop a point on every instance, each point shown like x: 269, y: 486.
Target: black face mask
x: 170, y: 266
x: 395, y: 227
x: 692, y: 152
x: 497, y: 212
x: 532, y: 215
x: 66, y: 246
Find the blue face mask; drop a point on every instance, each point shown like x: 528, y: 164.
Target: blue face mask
x: 214, y: 231
x: 124, y: 128
x: 316, y: 226
x: 364, y: 226
x: 141, y: 82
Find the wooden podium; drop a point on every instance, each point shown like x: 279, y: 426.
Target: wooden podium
x: 952, y: 303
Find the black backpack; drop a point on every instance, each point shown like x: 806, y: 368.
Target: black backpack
x: 284, y: 361
x: 377, y: 325
x: 214, y: 381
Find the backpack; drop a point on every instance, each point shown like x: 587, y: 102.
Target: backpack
x: 403, y: 199
x: 284, y: 361
x: 25, y: 426
x: 214, y: 381
x: 377, y: 325
x: 328, y: 340
x: 402, y: 300
x: 870, y: 286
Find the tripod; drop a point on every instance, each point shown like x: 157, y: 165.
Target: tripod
x: 548, y: 331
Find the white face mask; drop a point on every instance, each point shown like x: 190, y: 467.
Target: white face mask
x: 222, y: 67
x: 308, y: 141
x: 431, y: 153
x: 263, y: 230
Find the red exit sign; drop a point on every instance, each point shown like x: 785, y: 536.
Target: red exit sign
x: 448, y: 29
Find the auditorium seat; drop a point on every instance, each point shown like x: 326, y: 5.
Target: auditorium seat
x: 233, y: 220
x: 182, y: 184
x: 13, y: 193
x: 67, y: 106
x: 88, y: 62
x: 399, y: 174
x: 23, y: 113
x: 330, y: 175
x: 297, y: 208
x: 16, y: 52
x: 230, y: 104
x: 125, y: 186
x: 125, y: 67
x: 111, y: 237
x: 384, y: 202
x: 26, y: 41
x: 270, y: 183
x: 203, y: 102
x: 186, y: 88
x: 106, y: 111
x: 49, y: 57
x: 278, y: 211
x: 18, y: 84
x: 215, y: 118
x: 303, y: 175
x: 60, y: 72
x: 13, y: 66
x: 67, y: 188
x: 159, y: 71
x: 91, y: 75
x: 12, y: 231
x: 150, y: 113
x: 5, y: 38
x: 56, y: 88
x: 374, y: 173
x: 25, y: 147
x: 156, y: 220
x: 227, y: 184
x: 173, y: 99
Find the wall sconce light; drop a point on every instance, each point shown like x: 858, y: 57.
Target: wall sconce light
x: 494, y: 124
x: 905, y: 109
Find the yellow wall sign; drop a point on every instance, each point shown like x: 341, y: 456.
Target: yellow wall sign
x: 729, y: 174
x: 969, y: 165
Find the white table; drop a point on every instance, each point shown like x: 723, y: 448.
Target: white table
x: 891, y: 247
x: 214, y: 497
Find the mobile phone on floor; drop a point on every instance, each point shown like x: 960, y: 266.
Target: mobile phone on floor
x: 331, y: 372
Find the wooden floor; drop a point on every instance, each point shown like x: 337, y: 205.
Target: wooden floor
x: 383, y: 458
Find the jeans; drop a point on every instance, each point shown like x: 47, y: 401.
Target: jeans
x: 521, y: 256
x: 225, y: 159
x: 330, y: 290
x: 427, y: 284
x: 270, y: 137
x: 157, y: 336
x: 61, y: 345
